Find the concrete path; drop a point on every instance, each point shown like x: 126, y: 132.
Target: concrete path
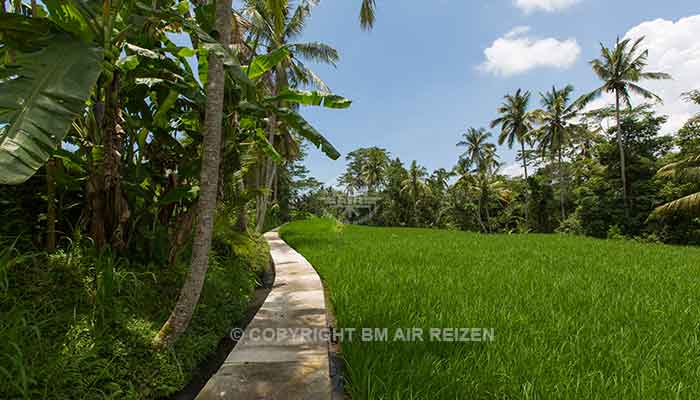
x: 287, y: 366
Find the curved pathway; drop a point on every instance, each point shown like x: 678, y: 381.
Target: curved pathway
x: 288, y: 366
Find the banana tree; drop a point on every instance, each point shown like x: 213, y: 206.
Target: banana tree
x: 40, y: 97
x: 290, y: 127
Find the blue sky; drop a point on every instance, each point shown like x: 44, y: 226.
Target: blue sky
x: 415, y: 79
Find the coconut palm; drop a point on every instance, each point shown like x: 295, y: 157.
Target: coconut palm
x: 372, y: 170
x: 415, y: 186
x: 557, y: 129
x: 183, y: 311
x: 275, y: 25
x: 484, y: 185
x: 685, y: 169
x: 620, y: 69
x: 516, y: 124
x: 478, y: 149
x: 688, y: 168
x: 440, y: 179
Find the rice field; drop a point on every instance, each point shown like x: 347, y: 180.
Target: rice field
x: 571, y: 317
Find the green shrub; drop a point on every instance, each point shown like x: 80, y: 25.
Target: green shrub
x: 571, y: 226
x: 615, y: 233
x: 79, y: 325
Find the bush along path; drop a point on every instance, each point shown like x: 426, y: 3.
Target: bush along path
x: 267, y: 364
x: 75, y: 324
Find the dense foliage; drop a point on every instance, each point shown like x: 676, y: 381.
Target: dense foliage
x: 134, y: 138
x: 576, y: 186
x: 75, y: 324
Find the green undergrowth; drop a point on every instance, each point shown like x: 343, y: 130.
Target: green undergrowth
x: 75, y: 325
x: 572, y: 317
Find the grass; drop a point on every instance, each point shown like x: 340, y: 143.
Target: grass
x: 79, y: 326
x: 573, y: 317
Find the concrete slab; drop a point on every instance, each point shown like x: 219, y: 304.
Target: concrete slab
x: 277, y: 358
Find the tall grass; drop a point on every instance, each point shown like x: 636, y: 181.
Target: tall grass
x: 79, y: 325
x: 573, y: 317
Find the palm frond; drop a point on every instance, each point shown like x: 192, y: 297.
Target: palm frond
x: 367, y: 14
x: 684, y: 169
x: 295, y: 25
x: 316, y: 51
x: 587, y: 98
x: 655, y: 76
x: 689, y: 204
x: 643, y: 92
x: 307, y: 77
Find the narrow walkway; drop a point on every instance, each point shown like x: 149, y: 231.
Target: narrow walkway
x: 288, y: 366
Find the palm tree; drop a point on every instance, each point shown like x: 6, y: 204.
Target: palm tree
x: 557, y: 129
x: 415, y: 186
x: 621, y: 69
x: 440, y: 179
x: 478, y: 148
x: 485, y: 185
x: 367, y: 14
x: 276, y: 24
x: 373, y: 167
x: 209, y: 180
x: 516, y: 124
x: 688, y: 168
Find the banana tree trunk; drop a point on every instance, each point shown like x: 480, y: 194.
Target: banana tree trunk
x: 116, y: 208
x: 485, y: 203
x: 191, y: 290
x: 479, y: 214
x: 621, y: 147
x: 181, y: 233
x: 95, y: 184
x: 51, y: 209
x: 270, y: 174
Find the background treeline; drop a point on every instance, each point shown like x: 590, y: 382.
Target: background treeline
x: 575, y: 178
x: 141, y: 144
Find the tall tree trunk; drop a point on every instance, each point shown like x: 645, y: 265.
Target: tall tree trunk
x: 487, y: 212
x: 181, y: 233
x: 268, y: 176
x: 95, y: 184
x: 181, y: 315
x: 116, y: 207
x: 271, y: 172
x: 479, y: 213
x: 527, y: 187
x: 242, y: 218
x: 562, y: 187
x: 621, y: 146
x: 240, y: 184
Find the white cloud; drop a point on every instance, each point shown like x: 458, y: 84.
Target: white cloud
x: 529, y: 6
x: 514, y: 170
x: 674, y: 49
x: 516, y: 53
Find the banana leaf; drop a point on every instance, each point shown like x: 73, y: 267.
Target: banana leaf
x: 44, y: 92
